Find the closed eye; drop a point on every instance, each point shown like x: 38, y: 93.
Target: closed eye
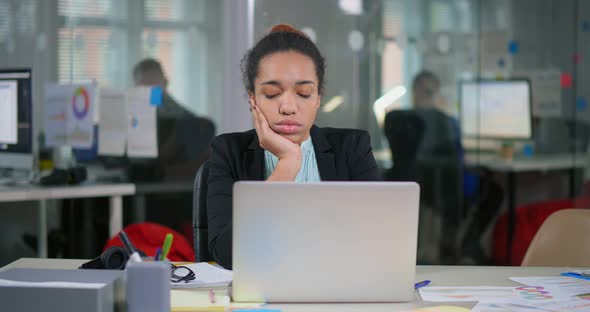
x: 305, y: 96
x: 270, y: 96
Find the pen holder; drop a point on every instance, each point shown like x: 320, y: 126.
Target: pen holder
x: 148, y: 286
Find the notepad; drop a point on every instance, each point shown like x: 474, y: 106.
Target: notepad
x: 190, y: 300
x: 206, y: 276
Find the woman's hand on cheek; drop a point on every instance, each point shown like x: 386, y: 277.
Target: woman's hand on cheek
x: 271, y: 141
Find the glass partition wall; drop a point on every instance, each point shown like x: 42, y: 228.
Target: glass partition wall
x: 483, y: 103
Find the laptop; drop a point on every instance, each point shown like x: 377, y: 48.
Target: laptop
x: 324, y: 242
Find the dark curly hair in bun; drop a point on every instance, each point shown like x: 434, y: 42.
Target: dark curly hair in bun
x: 282, y: 38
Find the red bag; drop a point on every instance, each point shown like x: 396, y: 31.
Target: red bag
x: 529, y: 219
x: 150, y: 236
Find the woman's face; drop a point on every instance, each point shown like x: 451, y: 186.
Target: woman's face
x: 286, y: 91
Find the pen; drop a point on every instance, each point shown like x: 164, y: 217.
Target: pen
x: 211, y: 296
x: 133, y: 255
x: 421, y: 284
x: 166, y: 246
x: 576, y: 275
x: 158, y: 253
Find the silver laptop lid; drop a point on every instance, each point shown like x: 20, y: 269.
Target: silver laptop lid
x: 324, y: 242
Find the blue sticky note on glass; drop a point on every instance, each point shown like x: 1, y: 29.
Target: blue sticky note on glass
x: 513, y: 47
x: 528, y: 150
x: 586, y: 26
x: 501, y: 62
x: 581, y: 104
x: 156, y: 96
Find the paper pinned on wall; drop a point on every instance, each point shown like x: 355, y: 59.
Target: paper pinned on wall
x: 69, y: 113
x: 493, y: 51
x: 112, y: 126
x: 54, y: 116
x: 142, y: 140
x: 546, y: 91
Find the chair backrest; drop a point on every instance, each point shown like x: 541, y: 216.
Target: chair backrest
x: 200, y: 214
x: 438, y: 140
x: 423, y: 150
x: 404, y: 131
x: 561, y: 241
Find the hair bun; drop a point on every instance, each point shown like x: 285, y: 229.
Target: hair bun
x: 287, y: 28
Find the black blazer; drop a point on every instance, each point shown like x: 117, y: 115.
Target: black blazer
x: 341, y: 154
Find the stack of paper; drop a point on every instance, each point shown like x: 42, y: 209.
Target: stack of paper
x: 467, y: 293
x: 206, y: 276
x: 440, y: 309
x: 549, y: 293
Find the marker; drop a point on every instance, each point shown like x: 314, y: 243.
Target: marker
x: 158, y: 253
x: 133, y: 255
x: 166, y: 246
x: 421, y: 284
x: 576, y: 275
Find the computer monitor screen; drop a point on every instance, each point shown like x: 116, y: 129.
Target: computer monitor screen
x: 496, y: 109
x: 16, y: 128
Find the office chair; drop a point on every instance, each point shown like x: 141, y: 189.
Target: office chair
x: 423, y: 150
x: 200, y: 214
x: 404, y: 131
x: 561, y: 241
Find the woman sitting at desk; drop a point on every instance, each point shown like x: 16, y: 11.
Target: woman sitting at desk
x: 284, y: 77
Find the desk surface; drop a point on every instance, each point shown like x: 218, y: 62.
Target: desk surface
x: 36, y: 192
x: 522, y: 164
x: 439, y: 275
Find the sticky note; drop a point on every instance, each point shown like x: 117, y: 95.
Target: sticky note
x: 156, y: 96
x: 581, y: 104
x: 513, y: 47
x: 501, y: 62
x: 134, y: 122
x: 528, y: 150
x: 566, y: 80
x: 586, y: 26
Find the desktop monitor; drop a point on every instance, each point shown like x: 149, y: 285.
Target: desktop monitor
x: 16, y: 124
x: 496, y: 109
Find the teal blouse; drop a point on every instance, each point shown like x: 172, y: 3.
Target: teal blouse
x: 309, y: 172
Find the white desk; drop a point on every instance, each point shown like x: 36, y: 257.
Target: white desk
x: 43, y: 193
x: 524, y: 164
x: 439, y: 275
